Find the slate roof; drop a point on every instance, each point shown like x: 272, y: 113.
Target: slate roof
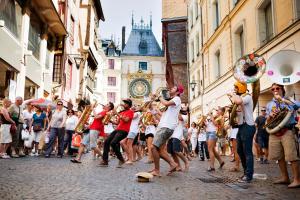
x: 142, y: 42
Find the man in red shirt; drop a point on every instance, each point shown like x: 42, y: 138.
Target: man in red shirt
x: 121, y: 132
x: 96, y: 129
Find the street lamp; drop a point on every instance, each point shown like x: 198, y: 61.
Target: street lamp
x: 193, y: 85
x: 78, y: 60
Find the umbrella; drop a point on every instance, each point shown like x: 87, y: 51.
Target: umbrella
x: 43, y: 103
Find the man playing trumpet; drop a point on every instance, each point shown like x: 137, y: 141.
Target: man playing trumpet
x: 282, y: 145
x: 166, y: 126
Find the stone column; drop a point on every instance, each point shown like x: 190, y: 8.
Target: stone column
x: 43, y: 54
x: 21, y: 76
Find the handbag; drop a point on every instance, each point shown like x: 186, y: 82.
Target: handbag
x: 37, y: 127
x: 13, y: 129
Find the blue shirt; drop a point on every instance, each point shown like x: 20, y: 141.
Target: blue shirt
x: 39, y: 120
x: 274, y: 104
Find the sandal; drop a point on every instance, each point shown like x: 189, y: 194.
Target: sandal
x: 234, y: 169
x: 210, y: 169
x: 75, y: 161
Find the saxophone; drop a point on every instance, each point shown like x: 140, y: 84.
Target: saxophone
x: 84, y: 117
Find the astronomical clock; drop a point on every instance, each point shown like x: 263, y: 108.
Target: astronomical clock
x: 139, y: 85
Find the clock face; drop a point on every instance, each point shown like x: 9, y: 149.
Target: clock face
x: 139, y: 88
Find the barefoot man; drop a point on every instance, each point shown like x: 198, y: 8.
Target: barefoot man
x: 166, y: 126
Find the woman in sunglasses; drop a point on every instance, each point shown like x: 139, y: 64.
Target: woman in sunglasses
x: 56, y: 128
x: 282, y: 145
x: 71, y: 123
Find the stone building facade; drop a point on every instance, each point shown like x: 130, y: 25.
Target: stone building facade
x: 239, y: 27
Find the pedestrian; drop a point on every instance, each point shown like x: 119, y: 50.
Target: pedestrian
x: 246, y: 129
x: 203, y: 149
x: 71, y: 123
x: 37, y: 126
x: 27, y: 116
x: 56, y: 129
x: 95, y: 129
x: 166, y: 126
x: 193, y: 135
x: 16, y: 113
x: 262, y: 136
x: 282, y: 145
x: 124, y: 121
x: 6, y: 123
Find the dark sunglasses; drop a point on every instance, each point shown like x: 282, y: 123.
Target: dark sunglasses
x: 263, y: 110
x: 59, y: 104
x: 275, y: 89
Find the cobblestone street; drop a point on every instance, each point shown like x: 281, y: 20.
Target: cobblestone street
x: 54, y: 178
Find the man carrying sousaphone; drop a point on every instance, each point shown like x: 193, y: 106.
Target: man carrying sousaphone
x: 246, y: 127
x: 282, y: 144
x: 95, y: 129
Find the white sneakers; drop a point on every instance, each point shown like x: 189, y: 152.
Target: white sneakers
x: 4, y: 156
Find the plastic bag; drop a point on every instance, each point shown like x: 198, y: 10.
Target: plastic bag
x: 25, y: 134
x: 76, y: 141
x: 28, y: 142
x: 47, y: 137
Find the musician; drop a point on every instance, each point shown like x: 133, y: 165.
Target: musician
x: 211, y: 137
x: 150, y: 130
x: 121, y: 132
x: 174, y: 144
x: 95, y: 130
x: 127, y: 143
x: 246, y: 129
x: 282, y: 145
x: 166, y: 126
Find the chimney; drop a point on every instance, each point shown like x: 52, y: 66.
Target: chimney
x: 123, y: 37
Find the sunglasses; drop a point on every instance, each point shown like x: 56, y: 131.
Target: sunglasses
x: 263, y: 110
x: 59, y: 104
x: 275, y: 89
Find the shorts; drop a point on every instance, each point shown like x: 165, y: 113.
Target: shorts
x: 211, y: 136
x: 263, y: 140
x: 90, y: 139
x: 131, y: 135
x: 174, y: 146
x: 283, y: 147
x: 136, y: 139
x: 5, y: 136
x: 161, y: 136
x: 149, y: 135
x: 37, y: 136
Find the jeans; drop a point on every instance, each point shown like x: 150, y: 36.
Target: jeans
x: 59, y: 133
x: 244, y: 148
x: 68, y: 141
x: 203, y: 150
x: 114, y: 140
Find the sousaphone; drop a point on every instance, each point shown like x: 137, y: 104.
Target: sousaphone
x: 283, y: 68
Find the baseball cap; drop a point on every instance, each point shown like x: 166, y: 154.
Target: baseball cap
x: 128, y: 102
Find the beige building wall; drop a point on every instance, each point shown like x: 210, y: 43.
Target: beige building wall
x: 243, y: 24
x: 174, y: 8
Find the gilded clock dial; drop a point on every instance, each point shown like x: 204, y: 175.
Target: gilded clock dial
x: 139, y: 88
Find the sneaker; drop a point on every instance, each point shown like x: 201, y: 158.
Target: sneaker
x: 121, y: 163
x: 37, y: 154
x: 21, y: 153
x: 5, y: 156
x: 245, y: 179
x: 32, y: 154
x: 14, y: 155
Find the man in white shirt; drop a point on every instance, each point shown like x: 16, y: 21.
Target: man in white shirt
x: 166, y: 126
x: 174, y: 144
x: 246, y: 129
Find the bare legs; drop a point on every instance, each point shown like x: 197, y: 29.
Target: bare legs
x: 213, y: 153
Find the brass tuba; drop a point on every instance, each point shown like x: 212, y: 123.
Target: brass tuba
x: 248, y: 69
x: 84, y: 117
x: 282, y: 68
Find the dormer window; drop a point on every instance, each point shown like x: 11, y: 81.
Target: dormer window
x: 143, y: 46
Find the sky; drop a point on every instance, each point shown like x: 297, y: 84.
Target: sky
x: 118, y: 13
